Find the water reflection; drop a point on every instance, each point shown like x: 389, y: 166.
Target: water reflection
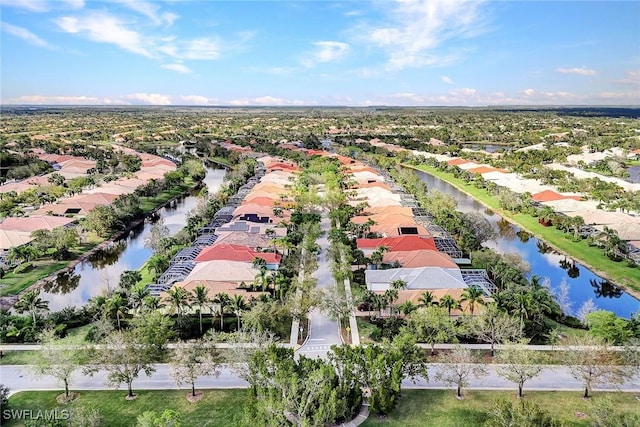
x: 605, y: 289
x: 102, y: 271
x: 109, y: 254
x: 543, y: 248
x: 64, y: 283
x: 570, y: 265
x: 523, y: 236
x: 506, y: 230
x: 542, y: 259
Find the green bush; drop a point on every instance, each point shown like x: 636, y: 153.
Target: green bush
x: 23, y: 268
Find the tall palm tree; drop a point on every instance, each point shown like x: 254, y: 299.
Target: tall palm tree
x: 449, y: 303
x: 201, y: 300
x: 427, y: 299
x: 157, y: 263
x: 472, y: 295
x: 137, y: 296
x: 262, y: 278
x: 237, y: 305
x: 178, y: 299
x: 152, y: 303
x: 31, y: 302
x: 223, y: 302
x: 390, y: 296
x: 407, y: 307
x: 116, y: 306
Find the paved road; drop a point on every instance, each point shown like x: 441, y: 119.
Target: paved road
x: 552, y: 378
x: 324, y: 331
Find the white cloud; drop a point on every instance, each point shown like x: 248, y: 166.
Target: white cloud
x: 39, y: 6
x: 148, y: 98
x: 150, y: 10
x: 633, y: 78
x: 104, y: 28
x: 25, y: 35
x: 195, y: 100
x: 529, y: 92
x: 267, y: 101
x: 325, y: 51
x: 447, y: 80
x: 578, y: 71
x: 197, y: 49
x: 30, y: 5
x: 74, y: 4
x: 417, y: 27
x: 180, y: 68
x: 54, y: 100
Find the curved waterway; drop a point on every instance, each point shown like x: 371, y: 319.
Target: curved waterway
x: 583, y: 284
x: 101, y: 271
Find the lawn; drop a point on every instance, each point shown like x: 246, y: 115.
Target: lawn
x: 590, y: 256
x: 418, y: 408
x: 216, y: 408
x: 221, y: 161
x: 20, y: 357
x: 13, y: 283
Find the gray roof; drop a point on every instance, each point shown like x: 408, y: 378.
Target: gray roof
x: 416, y: 278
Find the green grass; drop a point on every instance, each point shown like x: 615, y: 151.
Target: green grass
x: 365, y: 329
x: 221, y: 161
x: 418, y: 408
x: 13, y: 284
x: 150, y: 203
x: 591, y: 256
x: 216, y: 408
x: 24, y: 357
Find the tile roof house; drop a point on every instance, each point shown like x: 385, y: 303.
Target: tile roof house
x: 396, y: 244
x: 416, y: 278
x: 230, y: 252
x: 33, y: 223
x: 223, y: 271
x: 420, y: 258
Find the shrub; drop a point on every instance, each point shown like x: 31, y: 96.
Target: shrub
x: 23, y: 268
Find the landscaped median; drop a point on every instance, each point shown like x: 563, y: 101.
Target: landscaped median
x: 590, y: 256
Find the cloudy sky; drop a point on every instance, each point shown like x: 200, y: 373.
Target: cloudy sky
x: 381, y: 52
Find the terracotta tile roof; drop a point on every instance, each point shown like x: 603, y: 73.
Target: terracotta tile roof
x: 223, y: 271
x: 420, y: 258
x: 485, y: 169
x: 402, y: 243
x: 459, y: 161
x: 232, y: 252
x: 33, y: 223
x: 11, y: 239
x: 550, y: 195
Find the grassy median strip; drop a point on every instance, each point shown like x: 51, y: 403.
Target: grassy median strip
x: 591, y: 256
x: 216, y: 408
x: 418, y: 408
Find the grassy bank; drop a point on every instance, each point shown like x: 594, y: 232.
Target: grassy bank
x: 590, y: 256
x: 216, y: 408
x: 13, y: 284
x: 440, y: 408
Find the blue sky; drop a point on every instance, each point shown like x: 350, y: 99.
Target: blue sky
x: 355, y: 53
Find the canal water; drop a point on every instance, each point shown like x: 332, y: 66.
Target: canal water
x: 101, y: 272
x: 583, y: 284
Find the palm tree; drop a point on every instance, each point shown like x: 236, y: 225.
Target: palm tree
x: 223, y: 302
x: 378, y: 255
x: 390, y: 296
x: 157, y: 263
x: 152, y: 303
x: 237, y: 306
x: 427, y: 299
x: 137, y: 296
x: 115, y: 306
x: 398, y: 284
x: 407, y: 307
x: 178, y: 299
x: 449, y: 303
x: 31, y: 302
x: 262, y: 278
x: 473, y: 295
x: 201, y: 300
x: 258, y: 262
